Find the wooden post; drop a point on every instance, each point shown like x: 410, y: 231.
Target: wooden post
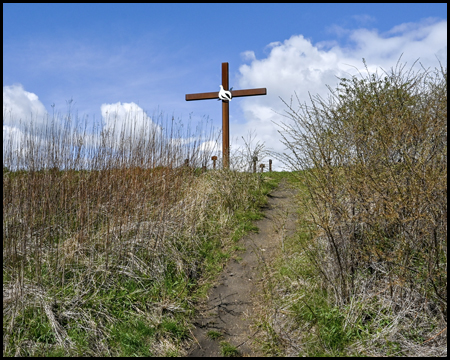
x: 262, y: 167
x: 225, y: 120
x: 186, y: 162
x: 270, y: 165
x: 255, y: 159
x: 225, y: 109
x: 214, y: 158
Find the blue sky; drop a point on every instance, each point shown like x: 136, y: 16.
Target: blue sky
x: 106, y: 55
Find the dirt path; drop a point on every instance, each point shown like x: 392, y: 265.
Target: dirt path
x: 231, y: 301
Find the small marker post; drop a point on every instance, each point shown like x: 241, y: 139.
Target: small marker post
x: 255, y: 159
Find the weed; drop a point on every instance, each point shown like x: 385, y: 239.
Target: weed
x: 214, y: 335
x: 228, y: 350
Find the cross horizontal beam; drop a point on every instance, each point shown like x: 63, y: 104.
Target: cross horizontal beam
x: 234, y: 93
x: 225, y: 108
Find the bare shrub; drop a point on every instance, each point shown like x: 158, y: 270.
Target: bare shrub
x: 374, y: 157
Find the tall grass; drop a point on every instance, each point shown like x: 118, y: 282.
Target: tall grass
x: 106, y: 233
x: 374, y: 161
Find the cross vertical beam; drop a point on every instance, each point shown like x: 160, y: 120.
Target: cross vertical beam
x: 226, y: 109
x: 225, y: 119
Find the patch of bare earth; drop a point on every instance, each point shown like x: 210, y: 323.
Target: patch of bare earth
x: 233, y: 301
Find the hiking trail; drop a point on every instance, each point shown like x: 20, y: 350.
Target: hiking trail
x: 231, y: 303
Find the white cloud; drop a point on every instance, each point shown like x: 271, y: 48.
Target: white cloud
x: 127, y: 119
x: 12, y: 137
x: 22, y: 106
x: 22, y: 111
x: 293, y: 65
x: 248, y: 55
x: 119, y: 120
x: 297, y: 65
x: 211, y: 146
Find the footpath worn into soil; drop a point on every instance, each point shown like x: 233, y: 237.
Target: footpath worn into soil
x: 231, y: 303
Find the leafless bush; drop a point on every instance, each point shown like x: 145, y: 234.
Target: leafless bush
x: 375, y: 161
x: 250, y: 153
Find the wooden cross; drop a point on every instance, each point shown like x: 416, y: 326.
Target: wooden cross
x: 225, y: 109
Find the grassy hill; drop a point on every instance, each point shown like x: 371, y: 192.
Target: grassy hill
x: 106, y: 252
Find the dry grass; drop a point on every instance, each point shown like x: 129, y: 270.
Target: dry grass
x: 106, y: 235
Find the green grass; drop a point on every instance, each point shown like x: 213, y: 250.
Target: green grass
x: 214, y: 335
x: 272, y: 179
x: 323, y: 324
x: 133, y: 337
x: 228, y: 350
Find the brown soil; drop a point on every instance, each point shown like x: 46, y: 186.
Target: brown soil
x: 232, y: 302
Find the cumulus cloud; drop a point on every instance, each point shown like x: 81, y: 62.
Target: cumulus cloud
x: 20, y: 106
x: 127, y: 119
x: 297, y: 65
x: 292, y: 65
x: 22, y: 111
x: 12, y: 138
x: 211, y: 147
x: 248, y: 56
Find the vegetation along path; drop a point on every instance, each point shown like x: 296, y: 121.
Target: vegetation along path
x: 225, y: 325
